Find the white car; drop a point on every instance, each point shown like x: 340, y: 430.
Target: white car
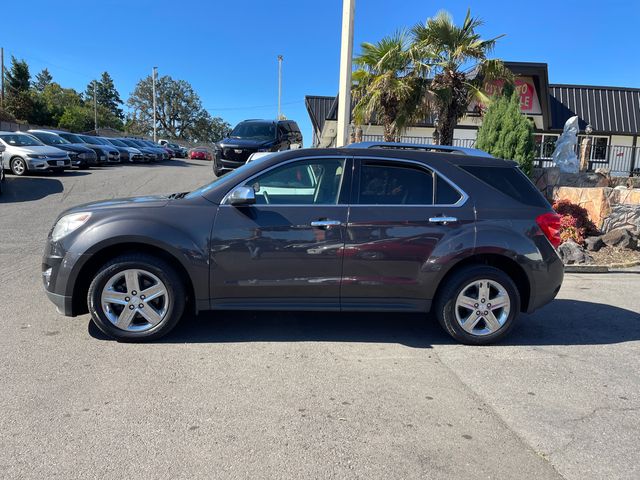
x: 25, y: 153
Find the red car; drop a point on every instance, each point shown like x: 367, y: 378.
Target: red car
x: 200, y: 154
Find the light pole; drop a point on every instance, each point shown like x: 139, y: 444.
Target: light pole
x: 95, y: 108
x: 154, y: 72
x: 280, y: 58
x: 346, y: 54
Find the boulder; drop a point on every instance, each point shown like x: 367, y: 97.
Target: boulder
x: 573, y: 254
x: 594, y: 200
x: 593, y: 244
x: 622, y: 216
x: 623, y: 237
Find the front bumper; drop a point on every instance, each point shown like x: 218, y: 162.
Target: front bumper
x: 47, y: 163
x: 63, y: 303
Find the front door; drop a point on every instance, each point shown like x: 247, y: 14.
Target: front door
x: 285, y: 251
x: 400, y: 213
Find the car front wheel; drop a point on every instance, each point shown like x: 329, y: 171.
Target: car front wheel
x: 18, y: 166
x: 478, y: 305
x: 136, y: 298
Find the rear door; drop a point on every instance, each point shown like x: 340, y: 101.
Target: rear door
x: 400, y: 212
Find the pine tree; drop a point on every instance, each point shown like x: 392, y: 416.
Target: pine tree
x: 43, y: 79
x: 106, y: 94
x: 507, y: 133
x: 18, y: 78
x: 18, y: 81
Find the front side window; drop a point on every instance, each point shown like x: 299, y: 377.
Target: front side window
x: 309, y: 182
x: 387, y: 184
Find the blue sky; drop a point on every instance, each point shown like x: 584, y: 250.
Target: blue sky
x: 227, y: 49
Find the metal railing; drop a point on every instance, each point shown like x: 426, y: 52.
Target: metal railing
x: 457, y: 142
x: 619, y: 160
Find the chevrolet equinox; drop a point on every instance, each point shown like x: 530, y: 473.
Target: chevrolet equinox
x: 468, y: 238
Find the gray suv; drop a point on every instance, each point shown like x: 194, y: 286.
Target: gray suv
x: 468, y: 238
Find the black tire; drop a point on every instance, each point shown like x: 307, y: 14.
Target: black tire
x: 84, y: 166
x: 18, y: 166
x: 445, y: 304
x: 158, y: 267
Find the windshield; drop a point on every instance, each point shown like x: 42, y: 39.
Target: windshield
x: 72, y: 138
x: 129, y: 143
x: 115, y: 141
x: 254, y: 131
x: 104, y: 141
x: 21, y: 140
x: 91, y: 140
x: 50, y: 138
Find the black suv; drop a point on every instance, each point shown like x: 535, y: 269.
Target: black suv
x: 356, y: 229
x: 251, y: 136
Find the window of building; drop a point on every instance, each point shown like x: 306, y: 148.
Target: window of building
x: 599, y: 146
x: 545, y: 144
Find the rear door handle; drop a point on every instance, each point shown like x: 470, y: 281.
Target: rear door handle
x: 443, y: 220
x: 325, y: 223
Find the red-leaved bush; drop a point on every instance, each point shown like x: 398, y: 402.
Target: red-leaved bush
x: 575, y: 223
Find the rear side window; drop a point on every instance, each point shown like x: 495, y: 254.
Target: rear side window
x: 510, y: 181
x: 384, y: 184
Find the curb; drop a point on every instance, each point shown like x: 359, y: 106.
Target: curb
x: 599, y: 268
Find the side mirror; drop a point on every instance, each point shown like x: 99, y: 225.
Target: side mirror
x: 242, y: 195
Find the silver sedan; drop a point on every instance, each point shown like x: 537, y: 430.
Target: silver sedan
x: 25, y: 153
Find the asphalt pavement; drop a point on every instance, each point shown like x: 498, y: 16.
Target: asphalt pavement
x: 304, y: 395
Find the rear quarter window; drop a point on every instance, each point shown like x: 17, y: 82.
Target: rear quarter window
x: 510, y: 181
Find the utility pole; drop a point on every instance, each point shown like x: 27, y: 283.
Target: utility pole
x: 154, y: 73
x: 346, y: 54
x: 95, y: 108
x: 2, y: 88
x: 280, y: 58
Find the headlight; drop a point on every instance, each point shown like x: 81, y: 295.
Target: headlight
x: 33, y: 155
x: 68, y: 224
x: 82, y: 155
x: 264, y: 149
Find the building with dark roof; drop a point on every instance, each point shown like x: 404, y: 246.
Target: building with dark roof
x: 613, y: 113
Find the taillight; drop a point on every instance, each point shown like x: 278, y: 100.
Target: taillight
x: 549, y: 223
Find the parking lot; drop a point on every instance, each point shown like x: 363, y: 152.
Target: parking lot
x: 304, y: 395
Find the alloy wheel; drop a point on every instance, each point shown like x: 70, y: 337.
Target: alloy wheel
x: 135, y: 300
x: 482, y: 307
x: 18, y: 166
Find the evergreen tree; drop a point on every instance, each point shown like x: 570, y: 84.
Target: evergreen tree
x: 43, y: 79
x: 18, y: 78
x: 106, y: 94
x: 507, y: 133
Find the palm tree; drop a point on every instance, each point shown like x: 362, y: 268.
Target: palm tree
x: 456, y: 57
x: 385, y: 86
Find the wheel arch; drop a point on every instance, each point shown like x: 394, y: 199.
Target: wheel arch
x: 501, y: 262
x: 103, y: 255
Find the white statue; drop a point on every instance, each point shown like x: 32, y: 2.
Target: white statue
x: 564, y: 156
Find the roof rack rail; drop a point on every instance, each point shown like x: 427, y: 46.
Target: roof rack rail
x: 427, y: 147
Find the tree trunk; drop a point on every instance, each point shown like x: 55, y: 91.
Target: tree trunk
x: 446, y: 125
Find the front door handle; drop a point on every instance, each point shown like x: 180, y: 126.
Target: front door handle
x: 325, y: 223
x: 443, y: 220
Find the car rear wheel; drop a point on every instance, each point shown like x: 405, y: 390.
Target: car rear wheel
x: 136, y: 298
x: 478, y: 305
x: 18, y: 166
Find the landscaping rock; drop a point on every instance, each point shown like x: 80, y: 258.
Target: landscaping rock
x: 593, y: 244
x: 622, y: 216
x: 624, y: 237
x: 573, y: 254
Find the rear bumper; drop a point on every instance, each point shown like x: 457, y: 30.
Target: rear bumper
x: 547, y: 278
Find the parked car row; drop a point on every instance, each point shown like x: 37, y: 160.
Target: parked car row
x: 50, y: 150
